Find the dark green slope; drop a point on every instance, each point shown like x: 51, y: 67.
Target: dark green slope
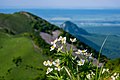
x: 15, y: 23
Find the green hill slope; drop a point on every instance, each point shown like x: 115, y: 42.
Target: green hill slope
x: 16, y: 23
x: 19, y: 59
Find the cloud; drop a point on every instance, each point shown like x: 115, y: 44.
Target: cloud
x: 61, y: 18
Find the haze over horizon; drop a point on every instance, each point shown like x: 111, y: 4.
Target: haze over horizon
x: 61, y: 4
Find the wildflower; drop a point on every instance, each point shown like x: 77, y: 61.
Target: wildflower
x: 88, y: 76
x: 60, y: 38
x: 49, y: 70
x: 105, y: 70
x: 81, y: 62
x: 73, y: 40
x: 47, y: 63
x: 112, y: 77
x: 92, y: 73
x: 58, y: 68
x: 55, y: 41
x: 59, y: 49
x: 84, y: 51
x: 56, y: 62
x: 53, y: 47
x: 89, y: 55
x: 79, y: 52
x: 115, y: 76
x: 63, y: 40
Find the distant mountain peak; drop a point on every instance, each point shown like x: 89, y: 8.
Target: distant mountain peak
x: 73, y: 28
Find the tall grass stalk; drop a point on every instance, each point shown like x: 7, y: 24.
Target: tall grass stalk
x: 68, y: 73
x: 97, y: 78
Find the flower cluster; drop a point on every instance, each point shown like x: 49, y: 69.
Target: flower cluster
x: 52, y: 65
x: 81, y: 62
x: 74, y: 65
x: 115, y: 76
x: 89, y: 76
x: 105, y: 70
x: 60, y: 39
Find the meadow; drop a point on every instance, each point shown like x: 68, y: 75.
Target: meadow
x: 20, y: 59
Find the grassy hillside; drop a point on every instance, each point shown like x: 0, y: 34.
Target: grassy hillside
x: 19, y: 60
x: 16, y: 23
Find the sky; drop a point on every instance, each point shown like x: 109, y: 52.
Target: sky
x: 61, y: 4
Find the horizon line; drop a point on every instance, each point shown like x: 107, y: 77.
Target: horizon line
x: 62, y: 8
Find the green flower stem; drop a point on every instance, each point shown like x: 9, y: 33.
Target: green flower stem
x: 100, y: 73
x: 68, y: 73
x: 78, y: 78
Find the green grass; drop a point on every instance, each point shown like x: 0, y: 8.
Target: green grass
x: 17, y: 23
x: 14, y: 47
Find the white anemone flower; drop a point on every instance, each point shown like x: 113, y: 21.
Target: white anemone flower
x: 92, y: 73
x: 73, y: 40
x: 84, y: 51
x: 117, y: 75
x: 55, y: 41
x: 105, y: 70
x: 89, y: 55
x: 58, y: 68
x: 59, y: 49
x: 53, y: 47
x: 63, y: 40
x: 81, y: 62
x: 88, y: 76
x: 60, y: 38
x: 45, y: 63
x: 112, y: 77
x: 49, y: 70
x: 49, y: 63
x: 79, y: 52
x: 56, y: 62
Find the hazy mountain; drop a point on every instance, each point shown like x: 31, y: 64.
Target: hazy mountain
x: 73, y: 28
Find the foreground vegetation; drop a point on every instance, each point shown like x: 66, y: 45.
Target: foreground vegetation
x: 81, y: 66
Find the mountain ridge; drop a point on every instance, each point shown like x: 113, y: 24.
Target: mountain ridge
x: 73, y: 28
